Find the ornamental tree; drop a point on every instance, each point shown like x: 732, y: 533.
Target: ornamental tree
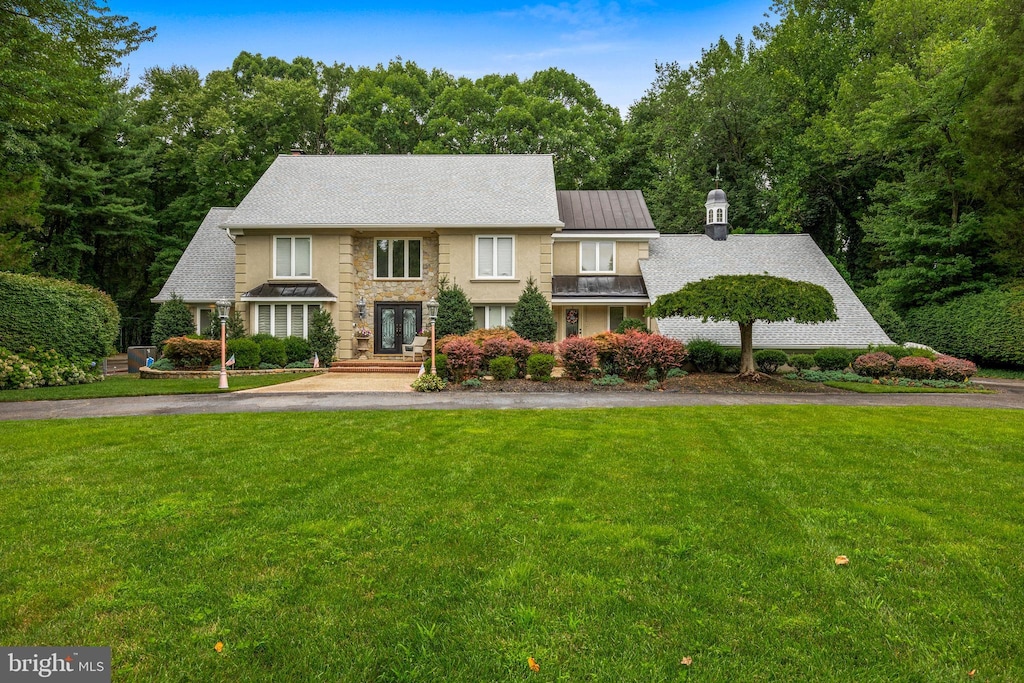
x: 746, y: 299
x: 454, y: 312
x: 533, y: 318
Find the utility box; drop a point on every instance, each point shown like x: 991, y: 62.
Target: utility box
x: 138, y: 357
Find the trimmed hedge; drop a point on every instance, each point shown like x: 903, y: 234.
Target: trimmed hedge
x: 75, y: 320
x: 987, y: 328
x: 191, y: 354
x: 833, y: 358
x: 245, y: 351
x: 705, y: 354
x: 770, y: 360
x: 539, y: 366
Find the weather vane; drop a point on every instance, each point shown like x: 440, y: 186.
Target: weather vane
x: 717, y: 176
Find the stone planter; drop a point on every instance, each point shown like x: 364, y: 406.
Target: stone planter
x: 362, y: 346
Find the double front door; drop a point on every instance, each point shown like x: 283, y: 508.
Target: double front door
x: 395, y: 324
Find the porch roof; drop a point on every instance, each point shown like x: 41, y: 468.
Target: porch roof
x: 591, y: 287
x: 308, y: 291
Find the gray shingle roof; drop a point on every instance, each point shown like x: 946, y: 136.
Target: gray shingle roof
x: 618, y: 210
x: 397, y: 190
x: 206, y: 271
x: 676, y: 260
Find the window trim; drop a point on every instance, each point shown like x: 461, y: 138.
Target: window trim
x: 494, y: 254
x: 597, y: 256
x: 293, y: 238
x: 392, y: 240
x: 506, y: 312
x: 255, y: 322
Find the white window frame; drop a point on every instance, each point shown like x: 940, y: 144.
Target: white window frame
x: 597, y: 255
x: 255, y: 325
x: 506, y: 313
x: 391, y: 241
x: 494, y: 256
x: 625, y: 311
x: 278, y: 276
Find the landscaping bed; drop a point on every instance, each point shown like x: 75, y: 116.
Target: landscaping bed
x: 694, y: 383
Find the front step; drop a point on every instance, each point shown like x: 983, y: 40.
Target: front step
x: 376, y: 366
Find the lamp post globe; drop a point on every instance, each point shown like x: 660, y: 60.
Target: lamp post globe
x: 223, y: 308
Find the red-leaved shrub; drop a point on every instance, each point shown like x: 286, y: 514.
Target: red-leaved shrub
x: 607, y: 347
x: 578, y: 356
x: 463, y: 358
x: 494, y: 347
x: 639, y: 352
x: 956, y: 369
x: 520, y: 349
x: 877, y: 364
x: 915, y: 367
x: 547, y: 348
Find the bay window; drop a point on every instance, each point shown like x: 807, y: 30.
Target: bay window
x: 284, y: 320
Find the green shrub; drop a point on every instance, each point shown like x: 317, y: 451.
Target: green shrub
x: 429, y: 382
x: 632, y: 324
x: 533, y: 318
x: 502, y: 368
x: 608, y: 381
x: 833, y: 358
x: 271, y: 350
x: 652, y: 385
x: 454, y: 312
x: 299, y: 364
x: 269, y: 366
x: 75, y: 320
x: 705, y: 354
x: 442, y: 365
x: 539, y: 366
x: 246, y: 353
x: 297, y: 349
x: 769, y: 361
x: 323, y: 338
x: 731, y: 360
x: 191, y: 354
x: 162, y: 364
x: 801, y: 361
x: 472, y: 383
x: 987, y: 328
x: 676, y: 372
x: 890, y: 321
x: 896, y: 352
x: 173, y: 319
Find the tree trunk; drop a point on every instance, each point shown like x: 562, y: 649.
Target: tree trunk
x: 747, y: 367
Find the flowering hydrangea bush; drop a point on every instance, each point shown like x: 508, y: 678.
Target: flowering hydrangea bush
x: 43, y: 369
x: 915, y: 367
x: 877, y: 364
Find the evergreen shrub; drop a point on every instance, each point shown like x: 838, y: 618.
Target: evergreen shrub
x: 533, y: 318
x: 75, y: 320
x: 246, y: 352
x: 429, y: 383
x: 769, y: 361
x: 173, y: 319
x: 731, y: 360
x: 297, y: 349
x: 539, y: 366
x: 454, y: 312
x: 632, y: 324
x: 578, y: 356
x: 502, y: 368
x: 442, y: 365
x: 323, y: 338
x: 272, y: 350
x: 607, y: 381
x: 164, y: 364
x: 833, y: 358
x: 191, y: 354
x: 987, y: 328
x: 706, y: 355
x: 801, y: 361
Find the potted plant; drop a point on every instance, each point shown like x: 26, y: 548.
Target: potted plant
x: 363, y: 334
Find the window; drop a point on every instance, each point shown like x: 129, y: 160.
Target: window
x: 711, y: 215
x: 616, y: 314
x: 293, y: 256
x: 493, y: 315
x: 396, y: 259
x: 495, y: 257
x: 205, y: 321
x: 597, y: 257
x: 284, y: 320
x: 719, y: 214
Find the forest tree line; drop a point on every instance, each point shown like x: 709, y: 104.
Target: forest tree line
x: 892, y: 131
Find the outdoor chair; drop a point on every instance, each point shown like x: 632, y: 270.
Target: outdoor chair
x: 415, y: 350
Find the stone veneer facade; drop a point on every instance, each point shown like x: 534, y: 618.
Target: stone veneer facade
x: 372, y: 289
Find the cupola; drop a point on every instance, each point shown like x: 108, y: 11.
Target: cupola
x: 716, y: 226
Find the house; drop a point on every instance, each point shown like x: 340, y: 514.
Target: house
x: 369, y: 238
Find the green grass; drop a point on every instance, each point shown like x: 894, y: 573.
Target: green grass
x: 451, y: 546
x: 865, y: 388
x: 131, y: 385
x: 1000, y: 373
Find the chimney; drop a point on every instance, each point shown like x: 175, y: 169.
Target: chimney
x: 716, y: 225
x: 297, y: 151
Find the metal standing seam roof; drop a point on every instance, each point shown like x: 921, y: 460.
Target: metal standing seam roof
x: 676, y: 260
x: 585, y: 287
x: 206, y: 270
x: 298, y: 290
x: 612, y: 210
x: 501, y: 190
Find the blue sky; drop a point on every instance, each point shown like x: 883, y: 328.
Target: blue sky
x: 611, y: 45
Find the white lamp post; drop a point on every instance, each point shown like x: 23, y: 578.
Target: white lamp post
x: 223, y: 307
x: 432, y: 314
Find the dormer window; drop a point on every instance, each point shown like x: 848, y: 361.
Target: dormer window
x: 293, y: 257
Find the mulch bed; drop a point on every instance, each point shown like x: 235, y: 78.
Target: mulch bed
x: 694, y: 383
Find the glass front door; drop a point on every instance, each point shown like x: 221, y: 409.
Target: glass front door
x: 572, y: 322
x: 395, y: 324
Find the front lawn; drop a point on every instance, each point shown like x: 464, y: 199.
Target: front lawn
x: 867, y: 388
x: 131, y: 385
x: 451, y: 546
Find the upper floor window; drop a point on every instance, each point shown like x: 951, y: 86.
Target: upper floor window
x: 398, y: 258
x: 293, y: 256
x: 495, y: 256
x: 597, y: 257
x: 719, y: 216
